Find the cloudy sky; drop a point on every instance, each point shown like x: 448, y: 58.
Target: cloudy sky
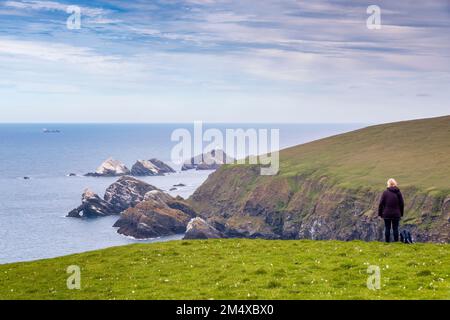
x: 224, y: 61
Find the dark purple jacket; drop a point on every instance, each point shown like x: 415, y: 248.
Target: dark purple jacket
x: 391, y: 204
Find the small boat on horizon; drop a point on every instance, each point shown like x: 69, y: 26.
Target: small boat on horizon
x: 45, y: 130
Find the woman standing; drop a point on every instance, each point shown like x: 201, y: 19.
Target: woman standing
x: 391, y: 209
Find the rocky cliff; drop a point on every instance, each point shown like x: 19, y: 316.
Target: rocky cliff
x: 329, y: 189
x: 145, y: 211
x: 126, y: 192
x: 159, y: 214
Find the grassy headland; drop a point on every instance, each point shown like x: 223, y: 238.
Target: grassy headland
x: 416, y: 152
x: 330, y: 188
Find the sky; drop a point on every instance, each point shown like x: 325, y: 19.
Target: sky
x: 224, y: 61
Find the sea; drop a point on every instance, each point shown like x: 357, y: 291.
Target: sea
x: 33, y: 222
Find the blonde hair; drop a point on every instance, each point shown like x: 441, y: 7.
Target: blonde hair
x: 392, y: 183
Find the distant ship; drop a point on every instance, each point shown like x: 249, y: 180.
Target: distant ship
x: 45, y: 130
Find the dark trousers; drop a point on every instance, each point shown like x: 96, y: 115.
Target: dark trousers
x: 388, y: 223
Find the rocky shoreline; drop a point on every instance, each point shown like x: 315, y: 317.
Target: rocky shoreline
x: 328, y: 189
x: 144, y: 210
x: 270, y: 211
x: 211, y: 160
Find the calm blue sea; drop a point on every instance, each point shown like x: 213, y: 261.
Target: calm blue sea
x: 32, y: 212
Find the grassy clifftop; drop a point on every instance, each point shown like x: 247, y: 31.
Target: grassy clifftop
x: 330, y: 188
x: 416, y: 153
x: 238, y: 269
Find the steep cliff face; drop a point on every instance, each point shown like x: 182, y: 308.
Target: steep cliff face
x: 319, y: 199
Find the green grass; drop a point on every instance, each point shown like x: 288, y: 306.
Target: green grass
x: 238, y: 269
x: 416, y: 153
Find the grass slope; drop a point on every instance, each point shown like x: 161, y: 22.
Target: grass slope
x: 416, y: 152
x: 238, y: 269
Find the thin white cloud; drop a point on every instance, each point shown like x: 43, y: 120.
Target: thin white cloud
x: 81, y: 57
x: 53, y: 6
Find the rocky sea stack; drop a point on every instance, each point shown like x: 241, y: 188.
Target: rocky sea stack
x: 153, y: 167
x: 92, y: 206
x: 127, y: 192
x: 158, y: 215
x: 110, y: 168
x: 121, y: 195
x: 145, y: 211
x: 212, y: 160
x: 115, y: 168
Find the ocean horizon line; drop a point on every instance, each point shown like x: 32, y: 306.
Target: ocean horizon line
x: 187, y: 123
